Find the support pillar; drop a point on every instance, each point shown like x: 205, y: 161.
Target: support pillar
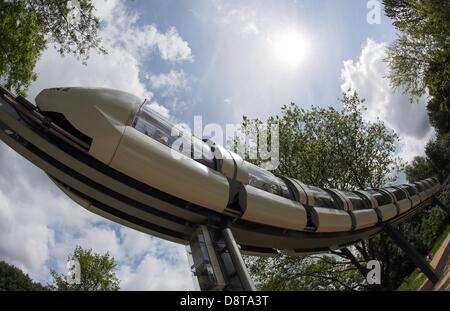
x: 412, y: 253
x: 216, y: 260
x: 238, y: 262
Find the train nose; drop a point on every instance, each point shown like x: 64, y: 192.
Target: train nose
x: 118, y: 104
x: 99, y: 113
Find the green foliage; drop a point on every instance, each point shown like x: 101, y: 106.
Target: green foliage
x: 21, y: 43
x: 338, y: 149
x: 425, y: 28
x: 305, y: 273
x: 328, y: 148
x: 436, y: 162
x: 416, y: 279
x: 440, y: 240
x: 334, y: 148
x: 438, y: 83
x: 13, y: 279
x: 438, y: 153
x: 70, y: 25
x: 97, y: 273
x: 413, y: 282
x: 26, y: 26
x: 420, y: 168
x: 419, y: 59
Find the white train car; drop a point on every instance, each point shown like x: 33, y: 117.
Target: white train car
x: 112, y: 154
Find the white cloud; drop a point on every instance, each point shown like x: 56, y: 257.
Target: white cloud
x: 162, y: 267
x: 245, y: 19
x: 42, y: 226
x: 39, y: 225
x: 250, y: 29
x: 154, y: 273
x: 172, y: 47
x: 122, y: 30
x: 367, y: 76
x: 128, y: 44
x: 169, y: 83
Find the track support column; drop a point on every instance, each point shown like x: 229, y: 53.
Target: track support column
x: 238, y: 262
x: 216, y: 260
x: 411, y: 253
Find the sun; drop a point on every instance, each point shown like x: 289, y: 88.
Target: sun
x: 290, y: 47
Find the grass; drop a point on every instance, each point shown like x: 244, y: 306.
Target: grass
x: 413, y: 282
x: 440, y: 240
x: 417, y: 278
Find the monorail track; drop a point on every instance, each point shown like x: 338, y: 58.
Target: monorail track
x: 119, y: 197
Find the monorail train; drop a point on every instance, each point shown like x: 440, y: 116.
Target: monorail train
x: 113, y: 155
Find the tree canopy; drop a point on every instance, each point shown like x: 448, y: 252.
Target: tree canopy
x: 418, y: 169
x: 28, y: 26
x: 328, y: 147
x: 419, y: 60
x: 13, y: 279
x: 336, y: 148
x: 96, y: 273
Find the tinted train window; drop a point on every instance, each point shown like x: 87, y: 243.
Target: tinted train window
x: 429, y: 183
x: 358, y: 201
x: 425, y: 184
x: 325, y: 199
x: 382, y: 198
x: 432, y: 181
x: 398, y: 193
x: 419, y: 186
x: 337, y: 199
x: 157, y: 127
x: 265, y: 180
x: 411, y: 189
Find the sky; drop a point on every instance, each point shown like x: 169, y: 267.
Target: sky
x: 212, y: 58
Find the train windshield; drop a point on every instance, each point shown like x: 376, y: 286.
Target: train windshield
x: 157, y: 127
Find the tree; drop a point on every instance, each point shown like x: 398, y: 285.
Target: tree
x: 338, y: 149
x: 22, y: 41
x: 13, y: 279
x: 96, y: 273
x: 318, y: 272
x: 26, y: 28
x: 438, y: 153
x: 331, y: 148
x: 420, y: 168
x: 435, y: 163
x: 419, y: 59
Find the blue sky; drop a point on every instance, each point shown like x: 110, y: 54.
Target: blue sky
x: 229, y: 63
x: 217, y: 59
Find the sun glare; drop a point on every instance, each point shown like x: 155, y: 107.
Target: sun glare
x: 290, y: 47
